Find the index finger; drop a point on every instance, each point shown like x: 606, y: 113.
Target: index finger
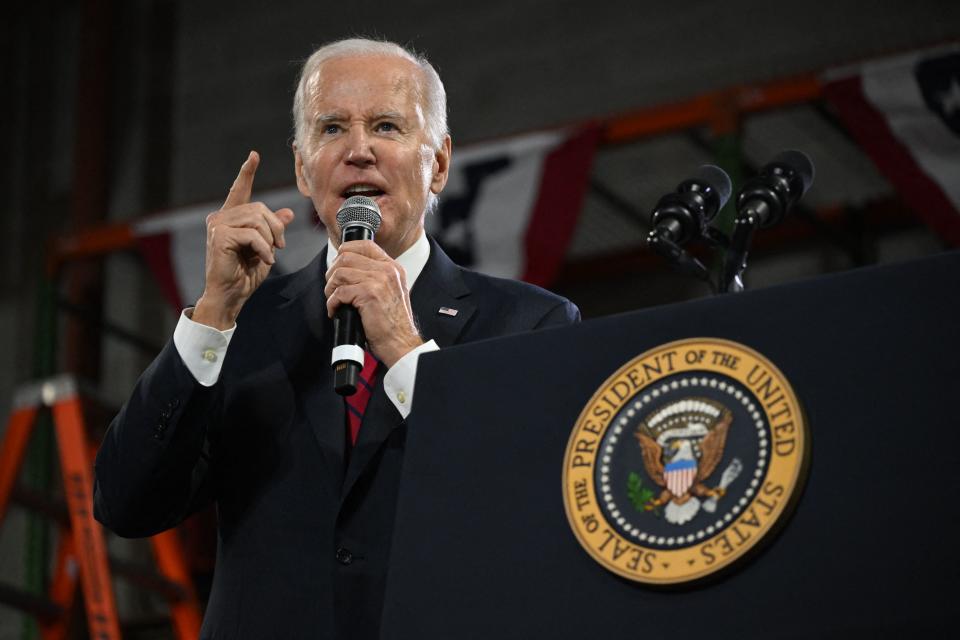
x: 243, y: 186
x: 366, y: 248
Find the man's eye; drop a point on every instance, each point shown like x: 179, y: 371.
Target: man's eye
x: 386, y: 126
x: 331, y: 128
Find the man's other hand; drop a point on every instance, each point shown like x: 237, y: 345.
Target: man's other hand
x: 366, y: 277
x: 242, y: 239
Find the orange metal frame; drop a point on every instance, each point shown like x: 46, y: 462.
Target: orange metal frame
x: 719, y: 110
x: 82, y: 549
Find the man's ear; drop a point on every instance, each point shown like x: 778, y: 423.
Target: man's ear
x: 441, y: 166
x: 303, y: 183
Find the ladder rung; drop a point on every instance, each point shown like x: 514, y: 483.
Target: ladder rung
x: 31, y: 603
x: 147, y: 578
x: 56, y: 509
x: 53, y: 508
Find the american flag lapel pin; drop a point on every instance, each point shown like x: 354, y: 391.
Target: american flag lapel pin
x: 447, y: 311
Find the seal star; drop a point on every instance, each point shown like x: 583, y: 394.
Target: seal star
x: 950, y: 99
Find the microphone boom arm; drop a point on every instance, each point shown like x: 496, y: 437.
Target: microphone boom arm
x: 659, y: 240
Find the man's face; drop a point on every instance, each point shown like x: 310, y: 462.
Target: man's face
x: 366, y: 135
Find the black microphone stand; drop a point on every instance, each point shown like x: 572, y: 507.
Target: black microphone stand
x: 763, y: 202
x: 735, y: 254
x: 660, y: 241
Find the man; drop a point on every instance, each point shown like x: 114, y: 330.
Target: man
x: 239, y: 407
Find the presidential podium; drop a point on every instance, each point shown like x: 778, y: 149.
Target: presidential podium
x: 483, y: 547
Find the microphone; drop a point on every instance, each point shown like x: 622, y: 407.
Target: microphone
x: 764, y: 201
x: 767, y: 198
x: 682, y: 215
x: 359, y: 219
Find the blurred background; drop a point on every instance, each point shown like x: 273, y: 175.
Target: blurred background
x: 125, y: 123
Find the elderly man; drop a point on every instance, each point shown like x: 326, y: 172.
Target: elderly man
x: 238, y: 408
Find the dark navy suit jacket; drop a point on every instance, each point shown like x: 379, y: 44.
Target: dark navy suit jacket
x: 304, y: 523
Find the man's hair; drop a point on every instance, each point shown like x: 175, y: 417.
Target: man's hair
x: 433, y: 96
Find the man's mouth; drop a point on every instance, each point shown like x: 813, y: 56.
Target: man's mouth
x: 367, y: 190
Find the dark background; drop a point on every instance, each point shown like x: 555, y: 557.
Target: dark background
x: 113, y: 110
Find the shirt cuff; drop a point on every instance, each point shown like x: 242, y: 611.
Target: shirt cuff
x: 201, y: 347
x: 399, y: 380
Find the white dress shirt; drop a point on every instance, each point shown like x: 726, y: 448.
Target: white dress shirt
x: 202, y: 348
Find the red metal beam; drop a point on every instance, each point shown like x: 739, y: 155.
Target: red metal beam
x: 713, y: 109
x: 92, y: 242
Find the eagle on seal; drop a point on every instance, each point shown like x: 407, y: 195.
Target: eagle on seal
x: 682, y: 445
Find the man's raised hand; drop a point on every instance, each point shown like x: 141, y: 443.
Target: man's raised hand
x: 242, y: 238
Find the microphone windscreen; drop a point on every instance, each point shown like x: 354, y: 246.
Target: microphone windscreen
x: 718, y: 180
x: 359, y: 209
x: 800, y: 163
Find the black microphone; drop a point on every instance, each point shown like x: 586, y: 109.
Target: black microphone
x: 764, y: 201
x: 767, y: 197
x: 359, y: 219
x: 684, y: 214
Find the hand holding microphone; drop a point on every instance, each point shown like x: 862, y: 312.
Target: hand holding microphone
x: 367, y: 297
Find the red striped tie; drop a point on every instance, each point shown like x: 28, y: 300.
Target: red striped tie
x: 357, y: 403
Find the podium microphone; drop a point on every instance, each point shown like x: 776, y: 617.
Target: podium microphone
x: 681, y: 216
x: 766, y: 198
x: 763, y: 202
x: 359, y: 219
x: 684, y: 214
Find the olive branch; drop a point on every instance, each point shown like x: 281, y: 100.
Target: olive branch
x: 640, y: 496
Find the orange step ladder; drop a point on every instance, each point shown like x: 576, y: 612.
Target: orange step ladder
x: 81, y: 550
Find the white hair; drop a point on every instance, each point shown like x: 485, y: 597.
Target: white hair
x: 433, y: 97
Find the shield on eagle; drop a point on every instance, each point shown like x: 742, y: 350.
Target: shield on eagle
x: 680, y: 476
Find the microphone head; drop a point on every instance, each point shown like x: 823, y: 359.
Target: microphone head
x: 359, y: 210
x: 717, y: 179
x: 797, y: 163
x: 684, y: 213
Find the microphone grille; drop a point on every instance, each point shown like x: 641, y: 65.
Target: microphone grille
x: 800, y: 163
x: 359, y: 209
x: 718, y: 179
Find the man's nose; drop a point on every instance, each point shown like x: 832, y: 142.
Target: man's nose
x: 359, y: 149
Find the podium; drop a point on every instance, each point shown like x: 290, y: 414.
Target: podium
x: 482, y: 546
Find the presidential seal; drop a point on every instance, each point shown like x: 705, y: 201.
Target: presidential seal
x: 684, y: 460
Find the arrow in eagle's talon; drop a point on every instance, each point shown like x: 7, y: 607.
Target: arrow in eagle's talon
x: 729, y: 475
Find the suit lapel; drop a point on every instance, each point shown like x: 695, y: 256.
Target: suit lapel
x: 302, y: 331
x: 440, y: 285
